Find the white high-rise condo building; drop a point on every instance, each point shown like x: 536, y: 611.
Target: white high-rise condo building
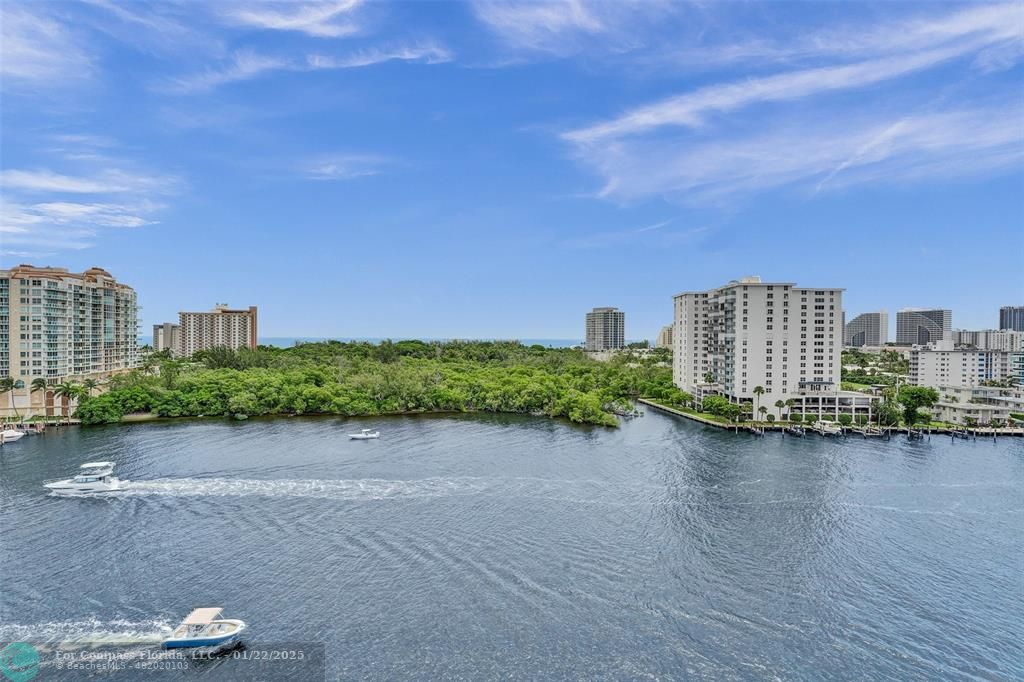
x: 220, y: 327
x: 606, y: 329
x: 867, y: 329
x: 920, y: 326
x: 57, y: 325
x: 778, y: 336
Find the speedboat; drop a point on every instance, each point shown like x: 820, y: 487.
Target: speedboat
x: 204, y: 627
x: 365, y: 434
x: 93, y: 477
x: 10, y: 435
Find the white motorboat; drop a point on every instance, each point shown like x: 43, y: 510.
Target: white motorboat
x: 205, y: 627
x: 828, y: 428
x: 93, y: 477
x: 10, y: 435
x: 365, y: 434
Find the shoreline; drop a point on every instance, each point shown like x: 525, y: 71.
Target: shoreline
x: 776, y: 426
x: 149, y: 417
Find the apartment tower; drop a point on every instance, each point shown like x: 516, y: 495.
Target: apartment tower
x: 664, y: 339
x: 920, y: 326
x: 1012, y: 317
x: 165, y: 337
x: 748, y: 333
x: 867, y: 329
x: 58, y: 325
x: 222, y: 326
x: 606, y: 329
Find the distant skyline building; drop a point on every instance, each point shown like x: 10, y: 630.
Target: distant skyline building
x: 222, y: 326
x: 664, y: 339
x: 867, y: 329
x: 920, y: 326
x: 166, y: 337
x: 989, y: 339
x: 605, y: 329
x: 1012, y: 317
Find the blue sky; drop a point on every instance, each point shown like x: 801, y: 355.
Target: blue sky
x: 489, y: 169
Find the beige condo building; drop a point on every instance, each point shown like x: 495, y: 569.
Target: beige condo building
x: 222, y: 326
x: 57, y: 325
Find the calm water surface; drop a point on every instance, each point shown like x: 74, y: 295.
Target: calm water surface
x: 477, y: 547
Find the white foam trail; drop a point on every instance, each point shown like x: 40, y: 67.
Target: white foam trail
x: 356, y: 489
x: 81, y: 633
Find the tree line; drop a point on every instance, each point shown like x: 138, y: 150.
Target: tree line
x: 390, y: 377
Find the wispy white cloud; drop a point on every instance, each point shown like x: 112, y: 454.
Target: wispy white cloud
x: 105, y: 181
x: 343, y: 166
x: 813, y: 156
x: 691, y: 109
x: 318, y: 19
x: 428, y: 53
x: 655, y: 233
x: 46, y: 210
x: 246, y: 65
x: 37, y: 50
x: 687, y: 145
x: 539, y: 25
x: 242, y: 65
x: 561, y: 28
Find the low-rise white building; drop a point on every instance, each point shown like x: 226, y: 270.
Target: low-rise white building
x: 976, y: 404
x: 942, y: 364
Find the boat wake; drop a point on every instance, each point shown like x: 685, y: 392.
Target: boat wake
x: 356, y: 489
x: 382, y: 489
x: 86, y: 633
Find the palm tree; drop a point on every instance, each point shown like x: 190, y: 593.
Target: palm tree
x: 89, y: 385
x: 758, y: 392
x: 7, y: 385
x: 779, y: 404
x: 762, y: 410
x: 66, y: 391
x: 38, y: 384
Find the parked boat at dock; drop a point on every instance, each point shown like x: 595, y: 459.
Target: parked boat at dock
x: 11, y: 435
x: 827, y: 429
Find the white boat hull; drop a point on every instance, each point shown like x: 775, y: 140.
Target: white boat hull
x: 220, y: 633
x: 363, y: 436
x: 69, y: 487
x: 11, y: 435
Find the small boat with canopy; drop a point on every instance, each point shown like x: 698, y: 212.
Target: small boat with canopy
x: 205, y: 627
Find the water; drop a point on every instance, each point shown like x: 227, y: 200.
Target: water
x: 489, y: 546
